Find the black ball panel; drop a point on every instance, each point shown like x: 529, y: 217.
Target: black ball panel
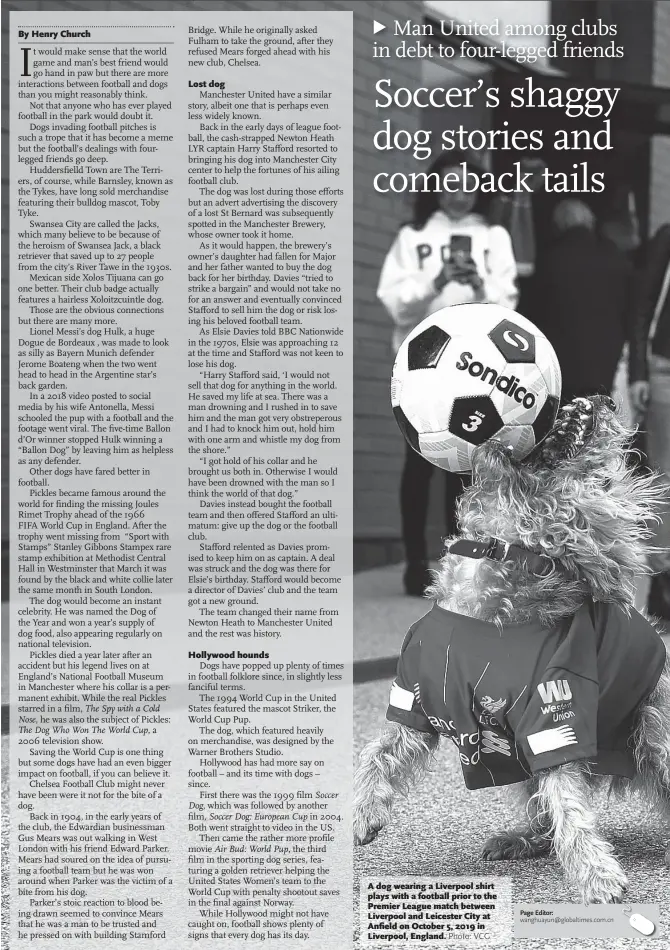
x: 545, y: 419
x: 474, y: 419
x: 515, y: 344
x: 425, y: 350
x: 406, y: 428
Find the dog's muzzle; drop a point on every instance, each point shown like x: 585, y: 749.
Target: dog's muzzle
x: 541, y: 565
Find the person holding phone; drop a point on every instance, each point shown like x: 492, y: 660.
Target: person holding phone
x: 447, y: 254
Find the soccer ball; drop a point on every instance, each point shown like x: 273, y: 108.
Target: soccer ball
x: 471, y: 373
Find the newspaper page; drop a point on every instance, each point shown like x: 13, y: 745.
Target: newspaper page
x: 330, y: 271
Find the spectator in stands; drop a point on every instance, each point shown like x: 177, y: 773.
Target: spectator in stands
x: 581, y: 299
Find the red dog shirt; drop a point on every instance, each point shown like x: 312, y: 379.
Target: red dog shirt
x: 523, y: 698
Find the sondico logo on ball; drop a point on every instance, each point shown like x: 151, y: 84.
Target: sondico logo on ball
x: 515, y: 339
x: 506, y: 384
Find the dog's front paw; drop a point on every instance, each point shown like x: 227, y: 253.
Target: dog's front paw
x: 605, y: 887
x: 368, y: 837
x: 365, y: 831
x: 515, y: 845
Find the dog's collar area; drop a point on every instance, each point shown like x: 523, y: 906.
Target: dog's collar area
x: 538, y: 564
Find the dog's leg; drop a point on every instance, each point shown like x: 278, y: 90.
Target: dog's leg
x: 531, y: 840
x: 586, y: 857
x: 652, y: 748
x: 389, y: 765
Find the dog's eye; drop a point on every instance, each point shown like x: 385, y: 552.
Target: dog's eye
x: 607, y: 484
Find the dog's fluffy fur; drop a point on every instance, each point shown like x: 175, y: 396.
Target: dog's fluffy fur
x: 577, y: 500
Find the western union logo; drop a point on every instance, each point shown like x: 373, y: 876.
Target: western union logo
x: 555, y: 691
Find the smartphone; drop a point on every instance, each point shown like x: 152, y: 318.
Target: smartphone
x: 460, y: 250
